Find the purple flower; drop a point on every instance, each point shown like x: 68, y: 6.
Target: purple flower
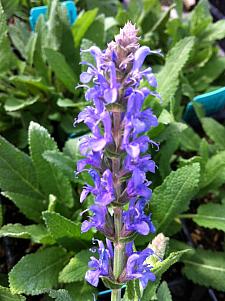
x: 137, y: 268
x: 103, y: 188
x: 102, y: 266
x: 136, y: 220
x: 138, y: 185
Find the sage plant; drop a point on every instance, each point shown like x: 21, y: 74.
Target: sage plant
x: 115, y: 155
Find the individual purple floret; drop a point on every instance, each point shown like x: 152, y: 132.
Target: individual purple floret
x: 116, y: 158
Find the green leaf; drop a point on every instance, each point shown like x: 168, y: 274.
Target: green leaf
x: 17, y: 172
x: 200, y: 18
x: 190, y: 141
x: 14, y: 104
x: 51, y: 179
x: 62, y: 70
x: 1, y: 215
x: 158, y: 270
x: 215, y: 31
x: 37, y: 233
x: 206, y: 268
x: 68, y: 103
x: 19, y: 35
x: 214, y: 173
x: 215, y: 131
x: 163, y: 293
x: 60, y: 295
x: 31, y: 207
x: 86, y: 292
x: 211, y: 216
x: 6, y: 295
x: 30, y: 84
x: 65, y: 231
x: 96, y: 32
x: 83, y: 22
x: 168, y: 77
x: 10, y: 7
x: 63, y: 162
x: 76, y: 269
x: 202, y: 77
x: 174, y: 195
x: 35, y: 273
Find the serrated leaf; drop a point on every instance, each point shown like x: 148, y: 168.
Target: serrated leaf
x: 174, y: 195
x: 62, y: 70
x: 6, y: 295
x: 211, y: 216
x: 31, y: 207
x: 17, y: 172
x: 202, y: 77
x: 35, y: 273
x: 214, y: 172
x: 65, y: 231
x: 206, y: 268
x: 51, y: 179
x: 37, y: 233
x: 63, y: 162
x: 168, y: 77
x: 60, y: 295
x: 163, y: 293
x: 215, y: 131
x: 13, y: 104
x: 83, y: 22
x: 76, y: 269
x: 158, y: 270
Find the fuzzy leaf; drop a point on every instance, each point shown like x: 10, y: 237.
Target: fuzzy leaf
x: 17, y: 172
x: 168, y: 77
x: 215, y: 131
x: 76, y: 269
x: 65, y: 231
x: 83, y: 22
x: 6, y: 295
x: 211, y: 216
x: 163, y: 292
x: 37, y: 233
x: 158, y: 270
x: 13, y: 104
x: 86, y: 292
x: 174, y: 195
x: 206, y: 268
x: 61, y: 69
x: 51, y: 179
x: 35, y: 273
x: 60, y: 295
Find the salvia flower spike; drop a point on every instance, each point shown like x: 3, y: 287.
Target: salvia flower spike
x: 115, y: 154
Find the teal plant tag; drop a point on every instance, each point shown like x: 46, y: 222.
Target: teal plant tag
x: 211, y: 102
x: 36, y: 12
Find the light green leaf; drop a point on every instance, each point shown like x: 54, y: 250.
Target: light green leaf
x: 168, y: 77
x: 62, y: 70
x: 17, y: 172
x: 202, y: 77
x: 206, y: 268
x: 35, y: 273
x: 96, y: 32
x: 13, y: 104
x: 30, y: 83
x: 215, y: 131
x: 158, y: 270
x: 214, y: 173
x: 76, y: 269
x: 31, y: 207
x: 83, y: 22
x: 68, y: 103
x: 51, y: 179
x: 6, y: 295
x: 37, y: 233
x: 19, y: 35
x: 211, y: 216
x: 190, y: 141
x: 65, y: 231
x: 60, y: 295
x: 200, y: 18
x: 86, y: 292
x: 174, y: 195
x: 63, y: 162
x: 163, y: 293
x: 215, y: 31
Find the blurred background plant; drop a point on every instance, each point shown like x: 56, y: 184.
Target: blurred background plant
x: 38, y: 74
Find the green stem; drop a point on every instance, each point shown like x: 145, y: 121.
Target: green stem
x: 116, y: 295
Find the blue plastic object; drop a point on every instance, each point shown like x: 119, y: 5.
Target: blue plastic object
x: 36, y: 12
x: 212, y: 103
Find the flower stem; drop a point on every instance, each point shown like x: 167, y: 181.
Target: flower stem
x: 116, y: 295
